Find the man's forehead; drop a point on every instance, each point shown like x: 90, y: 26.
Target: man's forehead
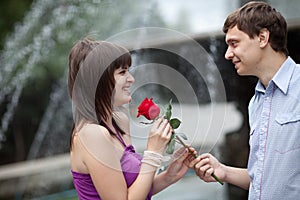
x: 234, y: 34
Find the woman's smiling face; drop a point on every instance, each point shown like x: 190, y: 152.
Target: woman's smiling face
x: 123, y: 81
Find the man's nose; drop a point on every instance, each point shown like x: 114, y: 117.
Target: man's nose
x: 229, y: 54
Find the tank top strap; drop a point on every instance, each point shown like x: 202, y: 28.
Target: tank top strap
x: 119, y: 137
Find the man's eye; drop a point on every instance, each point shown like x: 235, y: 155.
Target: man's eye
x: 233, y: 43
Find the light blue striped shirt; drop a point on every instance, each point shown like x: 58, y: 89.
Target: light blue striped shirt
x: 274, y: 117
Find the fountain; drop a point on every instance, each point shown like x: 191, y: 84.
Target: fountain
x: 43, y: 41
x: 49, y: 30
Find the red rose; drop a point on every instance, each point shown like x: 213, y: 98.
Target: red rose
x: 148, y: 109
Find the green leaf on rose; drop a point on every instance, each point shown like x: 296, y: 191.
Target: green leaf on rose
x: 168, y: 113
x: 175, y: 123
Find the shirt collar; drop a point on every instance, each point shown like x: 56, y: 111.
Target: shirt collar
x: 282, y: 77
x: 259, y: 87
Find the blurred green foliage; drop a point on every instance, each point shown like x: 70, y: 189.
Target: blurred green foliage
x: 11, y: 12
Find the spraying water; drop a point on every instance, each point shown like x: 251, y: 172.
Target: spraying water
x: 48, y: 32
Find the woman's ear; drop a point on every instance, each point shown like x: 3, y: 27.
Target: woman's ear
x: 263, y: 37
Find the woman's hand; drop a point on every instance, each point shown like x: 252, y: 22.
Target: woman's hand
x: 205, y: 165
x: 179, y: 164
x: 175, y: 171
x: 160, y: 135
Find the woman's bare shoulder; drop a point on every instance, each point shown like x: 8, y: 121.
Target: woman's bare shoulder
x: 95, y: 137
x: 93, y: 131
x: 99, y: 144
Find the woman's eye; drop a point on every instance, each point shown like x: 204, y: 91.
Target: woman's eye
x: 123, y: 72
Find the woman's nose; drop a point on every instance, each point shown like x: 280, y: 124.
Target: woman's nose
x: 130, y: 78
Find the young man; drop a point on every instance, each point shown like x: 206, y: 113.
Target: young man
x: 256, y: 35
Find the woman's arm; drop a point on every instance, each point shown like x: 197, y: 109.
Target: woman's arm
x: 175, y: 171
x: 102, y: 158
x: 111, y: 185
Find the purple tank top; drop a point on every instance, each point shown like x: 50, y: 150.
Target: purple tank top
x: 130, y: 163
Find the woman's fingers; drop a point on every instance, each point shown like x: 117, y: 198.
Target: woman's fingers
x: 162, y: 127
x: 155, y: 129
x: 157, y: 122
x: 160, y: 135
x: 167, y: 131
x: 180, y: 154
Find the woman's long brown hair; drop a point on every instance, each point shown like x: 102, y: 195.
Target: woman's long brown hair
x: 106, y: 84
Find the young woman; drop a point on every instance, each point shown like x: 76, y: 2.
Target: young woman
x: 104, y: 163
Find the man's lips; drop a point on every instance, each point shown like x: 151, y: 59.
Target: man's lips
x: 236, y: 62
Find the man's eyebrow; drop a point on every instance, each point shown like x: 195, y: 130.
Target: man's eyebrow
x: 230, y: 40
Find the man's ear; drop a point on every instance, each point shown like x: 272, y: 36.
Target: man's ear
x: 263, y: 37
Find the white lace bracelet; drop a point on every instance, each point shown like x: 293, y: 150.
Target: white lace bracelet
x: 152, y: 158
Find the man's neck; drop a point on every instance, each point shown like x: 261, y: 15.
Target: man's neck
x: 270, y: 66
